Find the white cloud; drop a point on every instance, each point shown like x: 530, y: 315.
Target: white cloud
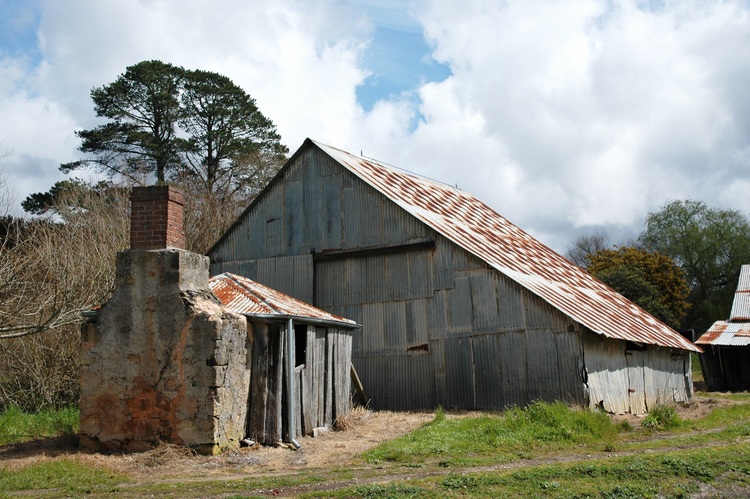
x: 299, y: 60
x: 561, y: 115
x: 605, y: 109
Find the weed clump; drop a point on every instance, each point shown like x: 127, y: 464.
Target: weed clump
x: 357, y: 416
x: 663, y: 418
x: 542, y: 426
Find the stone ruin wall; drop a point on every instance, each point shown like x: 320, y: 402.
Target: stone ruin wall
x: 162, y: 360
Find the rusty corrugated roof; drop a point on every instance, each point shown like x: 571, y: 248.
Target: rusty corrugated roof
x: 477, y: 228
x: 245, y: 296
x: 736, y: 331
x: 727, y: 334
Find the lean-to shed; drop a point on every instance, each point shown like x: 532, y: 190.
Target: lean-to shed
x: 459, y: 307
x: 284, y: 336
x: 726, y: 344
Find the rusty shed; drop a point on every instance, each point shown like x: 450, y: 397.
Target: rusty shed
x: 285, y: 336
x: 726, y: 344
x: 459, y: 307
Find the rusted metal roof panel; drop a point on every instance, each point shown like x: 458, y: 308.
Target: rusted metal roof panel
x: 728, y: 334
x: 736, y: 331
x: 477, y: 228
x: 741, y: 303
x: 245, y: 296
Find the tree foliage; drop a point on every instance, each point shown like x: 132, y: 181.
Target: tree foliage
x: 710, y: 245
x: 67, y: 197
x: 142, y: 107
x: 195, y: 129
x: 650, y: 280
x: 228, y: 135
x: 179, y: 125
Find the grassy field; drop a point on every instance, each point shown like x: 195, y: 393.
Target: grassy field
x: 16, y: 426
x: 545, y: 450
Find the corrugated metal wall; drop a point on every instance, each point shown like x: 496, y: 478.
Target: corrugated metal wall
x: 439, y: 326
x: 634, y: 381
x: 493, y: 344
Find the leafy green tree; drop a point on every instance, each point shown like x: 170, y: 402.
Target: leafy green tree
x: 195, y: 129
x: 650, y: 280
x: 228, y: 136
x: 632, y: 283
x: 710, y: 245
x: 141, y: 136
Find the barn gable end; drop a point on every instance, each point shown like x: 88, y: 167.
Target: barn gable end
x: 444, y: 323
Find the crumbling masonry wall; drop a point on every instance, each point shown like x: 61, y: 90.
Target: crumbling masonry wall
x: 163, y: 360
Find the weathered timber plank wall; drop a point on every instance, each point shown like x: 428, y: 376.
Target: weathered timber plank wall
x: 322, y: 382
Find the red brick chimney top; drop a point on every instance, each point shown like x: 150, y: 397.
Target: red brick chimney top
x: 156, y: 217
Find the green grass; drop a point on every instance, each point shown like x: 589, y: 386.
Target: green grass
x: 435, y: 460
x: 736, y: 396
x: 673, y: 474
x: 17, y: 426
x: 724, y: 416
x: 695, y: 368
x: 65, y: 474
x: 541, y: 427
x: 218, y: 487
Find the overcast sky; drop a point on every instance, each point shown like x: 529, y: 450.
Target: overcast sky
x: 563, y: 116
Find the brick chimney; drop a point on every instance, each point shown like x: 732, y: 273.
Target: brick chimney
x: 156, y: 217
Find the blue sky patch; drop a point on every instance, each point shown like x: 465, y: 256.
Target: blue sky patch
x: 398, y: 56
x: 18, y: 30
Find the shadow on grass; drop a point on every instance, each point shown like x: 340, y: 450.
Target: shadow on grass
x: 41, y: 446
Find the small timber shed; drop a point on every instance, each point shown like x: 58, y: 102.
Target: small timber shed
x: 288, y: 336
x: 459, y: 307
x: 726, y: 344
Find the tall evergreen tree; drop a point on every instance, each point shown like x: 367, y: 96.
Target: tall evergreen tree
x: 228, y: 136
x: 142, y: 107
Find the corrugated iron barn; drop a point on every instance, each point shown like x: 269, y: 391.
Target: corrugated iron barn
x: 286, y: 336
x: 726, y: 344
x: 459, y: 307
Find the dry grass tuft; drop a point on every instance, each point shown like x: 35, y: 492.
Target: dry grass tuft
x: 356, y: 417
x: 163, y: 455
